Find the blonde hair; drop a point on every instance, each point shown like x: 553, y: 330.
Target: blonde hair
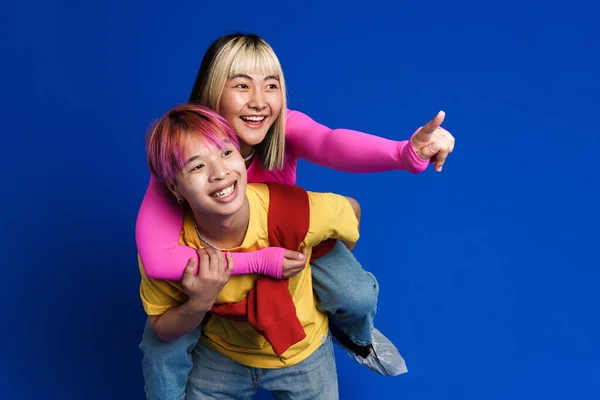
x: 243, y: 54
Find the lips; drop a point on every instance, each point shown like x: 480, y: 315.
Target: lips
x: 254, y: 121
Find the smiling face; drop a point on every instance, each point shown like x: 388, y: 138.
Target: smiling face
x: 213, y: 179
x: 251, y: 104
x: 241, y: 78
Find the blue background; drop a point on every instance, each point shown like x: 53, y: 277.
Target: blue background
x: 488, y: 271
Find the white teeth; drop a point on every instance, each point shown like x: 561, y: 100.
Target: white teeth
x: 254, y: 119
x: 225, y: 192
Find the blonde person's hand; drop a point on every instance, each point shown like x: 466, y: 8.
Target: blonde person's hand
x: 203, y: 284
x: 433, y: 142
x: 293, y: 263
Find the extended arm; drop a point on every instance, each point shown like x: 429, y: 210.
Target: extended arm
x: 348, y: 150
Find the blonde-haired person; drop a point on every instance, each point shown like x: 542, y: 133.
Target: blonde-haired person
x: 195, y: 155
x: 241, y: 78
x: 227, y: 63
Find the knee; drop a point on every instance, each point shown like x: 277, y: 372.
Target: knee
x: 363, y: 298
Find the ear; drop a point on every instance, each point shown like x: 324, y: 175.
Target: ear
x: 173, y: 189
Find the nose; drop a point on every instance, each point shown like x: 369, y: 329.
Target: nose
x: 257, y: 101
x: 218, y: 170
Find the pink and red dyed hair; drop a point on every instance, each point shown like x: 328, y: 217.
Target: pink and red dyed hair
x: 166, y: 139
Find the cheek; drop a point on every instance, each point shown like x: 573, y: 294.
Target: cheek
x: 231, y: 104
x: 238, y: 165
x: 275, y: 101
x: 191, y: 189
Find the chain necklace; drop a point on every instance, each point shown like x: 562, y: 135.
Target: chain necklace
x: 202, y: 238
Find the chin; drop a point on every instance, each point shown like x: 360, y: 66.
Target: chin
x: 251, y: 138
x: 234, y: 205
x: 230, y: 209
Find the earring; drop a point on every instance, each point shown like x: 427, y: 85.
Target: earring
x: 180, y: 200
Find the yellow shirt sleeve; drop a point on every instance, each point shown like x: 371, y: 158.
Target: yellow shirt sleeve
x: 331, y: 217
x: 159, y: 295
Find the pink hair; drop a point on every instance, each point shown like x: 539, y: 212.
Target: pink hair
x: 166, y: 139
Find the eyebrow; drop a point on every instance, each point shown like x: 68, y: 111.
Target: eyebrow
x: 250, y: 78
x: 189, y: 160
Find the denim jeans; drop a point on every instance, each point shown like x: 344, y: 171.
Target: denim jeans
x: 166, y: 365
x: 217, y: 377
x: 346, y: 292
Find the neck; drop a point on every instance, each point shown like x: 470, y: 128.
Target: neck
x: 225, y: 232
x: 248, y: 152
x: 246, y: 149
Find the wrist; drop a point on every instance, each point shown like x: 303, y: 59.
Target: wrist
x: 196, y: 307
x: 269, y: 261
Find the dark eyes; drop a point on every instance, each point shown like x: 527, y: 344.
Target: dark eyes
x: 271, y: 86
x: 198, y: 167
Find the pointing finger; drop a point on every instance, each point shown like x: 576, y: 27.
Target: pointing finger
x: 434, y: 124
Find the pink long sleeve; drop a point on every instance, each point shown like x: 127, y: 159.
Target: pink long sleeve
x: 157, y: 232
x: 348, y: 150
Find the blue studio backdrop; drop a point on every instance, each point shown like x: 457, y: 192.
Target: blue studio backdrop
x: 488, y: 270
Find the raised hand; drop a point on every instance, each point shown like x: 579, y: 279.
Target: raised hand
x: 434, y: 143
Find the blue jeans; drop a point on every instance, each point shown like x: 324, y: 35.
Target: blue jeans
x: 346, y: 292
x: 166, y: 365
x: 217, y: 377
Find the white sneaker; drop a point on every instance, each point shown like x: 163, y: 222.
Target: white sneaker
x: 384, y: 358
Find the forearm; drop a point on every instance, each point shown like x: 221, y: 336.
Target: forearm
x: 177, y: 321
x: 353, y: 151
x: 349, y: 245
x: 348, y: 150
x: 158, y: 229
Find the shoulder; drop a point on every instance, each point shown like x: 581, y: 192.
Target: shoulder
x: 188, y: 233
x: 327, y: 201
x: 327, y: 207
x: 290, y: 113
x: 295, y: 119
x: 258, y: 195
x: 331, y: 216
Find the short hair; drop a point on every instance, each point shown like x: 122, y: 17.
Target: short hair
x: 166, y: 138
x: 243, y: 54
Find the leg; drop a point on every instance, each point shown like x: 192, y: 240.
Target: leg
x: 315, y: 378
x: 166, y: 365
x: 216, y: 377
x: 348, y: 294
